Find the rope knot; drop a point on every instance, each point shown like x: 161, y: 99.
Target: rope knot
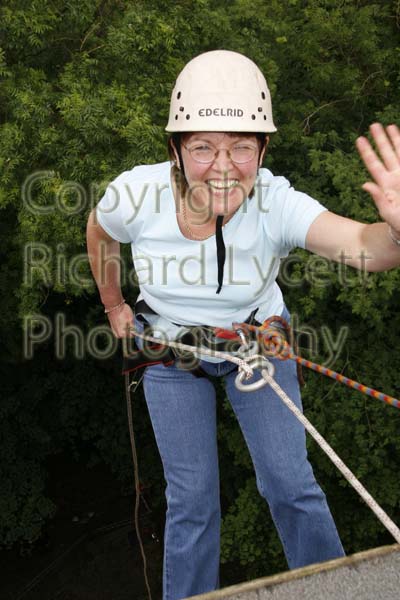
x: 245, y: 368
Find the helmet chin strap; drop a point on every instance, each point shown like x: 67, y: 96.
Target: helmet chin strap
x: 221, y: 253
x: 176, y: 138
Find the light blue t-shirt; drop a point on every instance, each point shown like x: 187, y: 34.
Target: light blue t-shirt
x: 177, y: 276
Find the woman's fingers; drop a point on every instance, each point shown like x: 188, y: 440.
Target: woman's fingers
x: 384, y: 163
x: 370, y: 159
x: 394, y: 135
x: 384, y: 143
x: 377, y: 194
x: 121, y: 321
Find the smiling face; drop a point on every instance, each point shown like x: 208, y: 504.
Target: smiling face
x: 221, y: 186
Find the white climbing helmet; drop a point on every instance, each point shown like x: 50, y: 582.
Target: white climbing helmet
x: 221, y: 91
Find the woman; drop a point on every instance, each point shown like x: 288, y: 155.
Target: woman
x: 207, y: 235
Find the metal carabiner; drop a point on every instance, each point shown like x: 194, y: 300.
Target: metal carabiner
x: 248, y: 349
x: 257, y: 362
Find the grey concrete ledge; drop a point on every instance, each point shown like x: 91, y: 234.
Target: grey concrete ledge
x: 370, y: 575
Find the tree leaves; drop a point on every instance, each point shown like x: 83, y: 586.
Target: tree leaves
x: 84, y: 95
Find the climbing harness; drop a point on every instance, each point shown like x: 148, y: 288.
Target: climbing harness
x: 271, y: 341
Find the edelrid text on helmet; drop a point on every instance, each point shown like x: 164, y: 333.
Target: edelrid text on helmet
x: 221, y: 91
x: 220, y: 112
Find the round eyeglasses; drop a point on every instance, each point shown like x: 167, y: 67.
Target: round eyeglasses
x: 205, y: 153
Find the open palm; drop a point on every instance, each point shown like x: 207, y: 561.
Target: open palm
x: 384, y: 167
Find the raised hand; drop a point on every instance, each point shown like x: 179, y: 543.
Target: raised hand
x: 384, y: 167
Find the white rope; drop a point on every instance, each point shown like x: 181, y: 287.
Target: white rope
x: 245, y: 368
x: 337, y: 461
x: 240, y: 362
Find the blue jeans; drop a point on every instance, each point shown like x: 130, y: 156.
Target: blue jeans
x: 182, y: 408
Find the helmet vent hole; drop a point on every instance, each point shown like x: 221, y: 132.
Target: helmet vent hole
x: 176, y: 117
x: 178, y: 95
x: 181, y: 108
x: 187, y: 117
x: 265, y: 118
x: 253, y: 117
x: 259, y: 109
x: 263, y: 95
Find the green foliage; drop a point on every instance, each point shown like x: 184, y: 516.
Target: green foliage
x: 84, y: 94
x: 23, y: 506
x: 249, y: 536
